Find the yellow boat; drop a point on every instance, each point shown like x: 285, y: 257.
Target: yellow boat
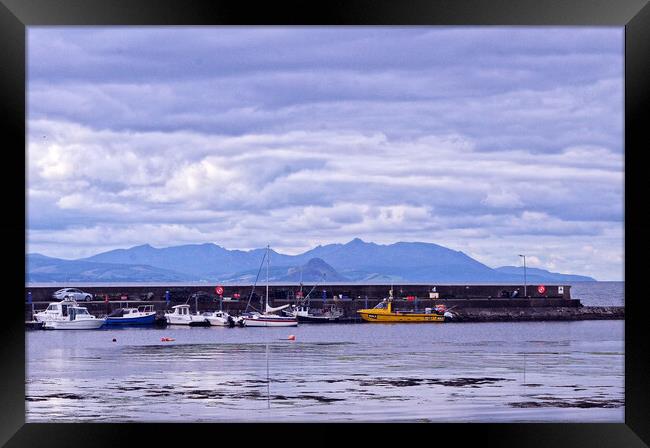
x: 383, y: 312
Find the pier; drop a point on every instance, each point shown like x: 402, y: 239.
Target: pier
x: 471, y: 303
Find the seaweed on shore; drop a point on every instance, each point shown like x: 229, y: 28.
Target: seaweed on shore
x: 454, y: 382
x: 554, y: 403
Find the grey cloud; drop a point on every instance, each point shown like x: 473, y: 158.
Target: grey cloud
x: 460, y: 136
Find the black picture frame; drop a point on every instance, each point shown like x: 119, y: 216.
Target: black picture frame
x: 16, y: 15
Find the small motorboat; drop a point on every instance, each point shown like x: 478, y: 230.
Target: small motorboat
x: 182, y: 316
x: 219, y: 318
x: 68, y: 315
x: 142, y: 315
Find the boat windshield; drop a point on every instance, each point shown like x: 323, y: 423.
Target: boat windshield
x: 53, y: 307
x: 380, y: 306
x: 79, y: 311
x: 117, y: 313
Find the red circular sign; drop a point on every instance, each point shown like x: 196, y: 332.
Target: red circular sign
x: 219, y: 290
x: 541, y: 289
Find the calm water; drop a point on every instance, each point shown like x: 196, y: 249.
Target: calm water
x: 476, y: 372
x: 457, y: 372
x: 599, y: 293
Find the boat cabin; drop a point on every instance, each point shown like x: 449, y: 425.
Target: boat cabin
x: 181, y: 310
x: 58, y: 308
x: 216, y: 314
x: 78, y: 312
x: 383, y: 305
x: 125, y: 312
x: 67, y: 311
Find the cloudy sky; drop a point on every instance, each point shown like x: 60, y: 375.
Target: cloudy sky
x: 493, y: 141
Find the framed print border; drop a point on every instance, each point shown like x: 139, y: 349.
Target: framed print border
x: 17, y: 15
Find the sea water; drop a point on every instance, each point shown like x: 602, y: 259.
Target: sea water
x: 445, y: 372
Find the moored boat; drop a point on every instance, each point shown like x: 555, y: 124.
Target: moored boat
x: 268, y: 318
x: 68, y: 316
x: 219, y: 318
x: 305, y: 314
x: 182, y: 316
x: 383, y: 312
x: 142, y: 315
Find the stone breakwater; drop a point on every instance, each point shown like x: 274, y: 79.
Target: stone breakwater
x: 539, y: 314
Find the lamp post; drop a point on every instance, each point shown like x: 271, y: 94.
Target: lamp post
x: 525, y: 283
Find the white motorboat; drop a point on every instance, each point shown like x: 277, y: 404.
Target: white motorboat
x: 268, y: 318
x: 68, y: 315
x: 182, y: 316
x: 219, y: 318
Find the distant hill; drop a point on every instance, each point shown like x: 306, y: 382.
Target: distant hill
x: 355, y: 261
x: 419, y: 262
x: 315, y: 270
x: 312, y: 271
x: 203, y: 260
x: 40, y: 268
x: 541, y: 275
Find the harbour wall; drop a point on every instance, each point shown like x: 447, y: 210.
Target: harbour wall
x: 470, y: 303
x: 287, y: 292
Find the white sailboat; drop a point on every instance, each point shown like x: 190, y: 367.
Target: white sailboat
x: 268, y: 318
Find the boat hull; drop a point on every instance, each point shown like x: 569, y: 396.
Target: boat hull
x: 193, y: 321
x: 141, y: 320
x: 377, y: 316
x: 84, y: 324
x: 269, y: 322
x: 218, y: 321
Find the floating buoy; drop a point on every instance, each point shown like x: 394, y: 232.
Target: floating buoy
x: 291, y: 337
x: 114, y: 340
x: 165, y: 339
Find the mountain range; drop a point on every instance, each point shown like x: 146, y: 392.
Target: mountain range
x: 355, y: 261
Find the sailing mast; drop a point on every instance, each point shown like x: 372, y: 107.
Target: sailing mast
x: 268, y: 261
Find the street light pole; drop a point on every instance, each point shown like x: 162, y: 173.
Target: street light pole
x: 525, y: 282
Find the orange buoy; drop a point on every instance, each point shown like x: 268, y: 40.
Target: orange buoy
x: 165, y: 339
x: 291, y: 337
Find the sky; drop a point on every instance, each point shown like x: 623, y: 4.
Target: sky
x: 495, y: 141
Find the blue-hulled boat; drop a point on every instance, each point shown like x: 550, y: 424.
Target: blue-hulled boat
x: 142, y: 315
